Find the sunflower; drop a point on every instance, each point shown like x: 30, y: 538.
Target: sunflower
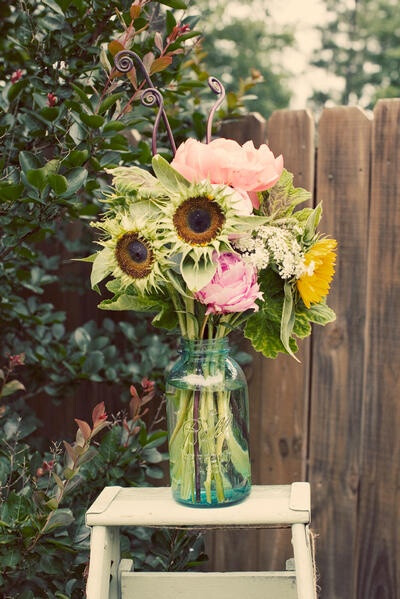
x: 313, y: 285
x: 131, y: 252
x: 199, y: 220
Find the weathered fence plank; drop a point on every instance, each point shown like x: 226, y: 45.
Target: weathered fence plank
x: 378, y: 531
x: 252, y: 127
x: 284, y: 401
x: 338, y: 349
x: 278, y: 388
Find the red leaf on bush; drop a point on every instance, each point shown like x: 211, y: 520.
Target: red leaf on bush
x: 134, y: 11
x: 70, y: 451
x: 133, y: 392
x: 114, y: 47
x: 158, y: 41
x: 132, y: 77
x: 99, y: 414
x: 160, y: 64
x: 148, y: 397
x: 84, y: 428
x: 134, y: 407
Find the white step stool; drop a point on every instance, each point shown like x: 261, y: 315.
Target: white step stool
x: 278, y: 505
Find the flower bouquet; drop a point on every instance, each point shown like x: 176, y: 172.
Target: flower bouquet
x: 211, y: 242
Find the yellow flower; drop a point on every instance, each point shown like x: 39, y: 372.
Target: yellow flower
x: 313, y: 285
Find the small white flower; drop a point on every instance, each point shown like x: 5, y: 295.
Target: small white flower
x: 274, y: 245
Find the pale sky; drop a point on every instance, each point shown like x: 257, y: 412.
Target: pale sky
x: 304, y: 14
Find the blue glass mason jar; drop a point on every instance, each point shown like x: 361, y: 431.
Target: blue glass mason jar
x: 208, y: 426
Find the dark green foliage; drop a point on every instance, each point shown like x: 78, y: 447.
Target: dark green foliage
x: 44, y: 542
x: 63, y: 120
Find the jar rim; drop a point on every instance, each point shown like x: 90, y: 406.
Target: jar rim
x: 220, y: 345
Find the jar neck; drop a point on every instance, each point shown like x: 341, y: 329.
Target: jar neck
x: 200, y: 347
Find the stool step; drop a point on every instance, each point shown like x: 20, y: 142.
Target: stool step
x: 210, y: 585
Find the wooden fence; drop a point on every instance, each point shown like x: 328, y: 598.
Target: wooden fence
x: 334, y: 419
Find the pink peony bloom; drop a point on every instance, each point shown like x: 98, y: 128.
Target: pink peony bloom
x: 233, y: 288
x: 244, y: 168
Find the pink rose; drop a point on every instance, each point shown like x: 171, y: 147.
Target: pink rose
x: 244, y: 168
x: 233, y: 288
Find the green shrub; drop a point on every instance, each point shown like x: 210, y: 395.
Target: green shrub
x: 44, y: 542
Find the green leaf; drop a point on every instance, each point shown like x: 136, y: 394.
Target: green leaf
x: 52, y: 22
x: 82, y: 338
x: 94, y: 362
x: 94, y: 121
x: 109, y: 101
x: 130, y: 302
x: 37, y: 177
x: 166, y: 318
x: 169, y: 177
x: 132, y: 179
x: 16, y: 88
x: 179, y: 4
x: 154, y: 472
x: 197, y: 274
x: 82, y: 95
x: 10, y: 191
x: 320, y: 314
x: 264, y: 334
x: 288, y: 318
x: 28, y: 161
x: 77, y: 157
x: 76, y: 179
x: 59, y: 518
x: 101, y: 267
x: 114, y: 126
x: 283, y: 197
x: 302, y: 326
x: 11, y: 387
x: 11, y: 559
x: 270, y: 283
x: 312, y: 223
x: 54, y: 6
x: 170, y: 21
x: 58, y: 183
x: 50, y: 113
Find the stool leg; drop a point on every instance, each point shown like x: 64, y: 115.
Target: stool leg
x: 303, y: 562
x: 102, y: 580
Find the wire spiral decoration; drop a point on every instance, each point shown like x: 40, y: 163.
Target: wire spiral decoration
x: 216, y: 86
x: 124, y: 62
x: 150, y: 97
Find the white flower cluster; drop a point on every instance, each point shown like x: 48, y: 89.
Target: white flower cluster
x: 274, y: 245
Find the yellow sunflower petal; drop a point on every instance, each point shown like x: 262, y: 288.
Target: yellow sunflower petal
x: 314, y: 287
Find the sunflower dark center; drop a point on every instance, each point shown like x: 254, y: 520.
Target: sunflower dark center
x: 134, y: 255
x: 137, y: 251
x: 199, y: 220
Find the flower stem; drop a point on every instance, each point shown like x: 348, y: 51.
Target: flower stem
x: 203, y: 326
x: 196, y: 447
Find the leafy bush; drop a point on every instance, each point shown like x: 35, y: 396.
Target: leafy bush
x: 65, y: 118
x: 44, y: 542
